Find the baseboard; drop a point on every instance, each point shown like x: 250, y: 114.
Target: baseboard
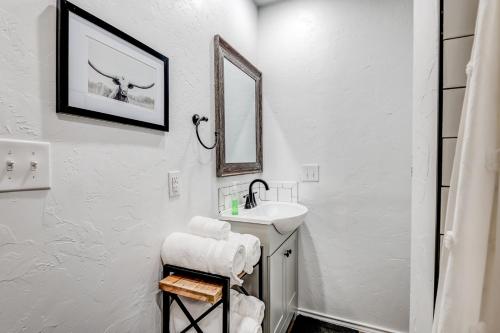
x: 362, y: 327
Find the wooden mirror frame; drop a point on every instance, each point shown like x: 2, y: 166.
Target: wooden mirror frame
x: 223, y: 50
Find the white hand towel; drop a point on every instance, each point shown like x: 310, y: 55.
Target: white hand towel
x: 207, y: 227
x: 248, y: 325
x: 252, y: 247
x: 250, y: 306
x: 212, y: 323
x: 235, y: 299
x: 204, y: 254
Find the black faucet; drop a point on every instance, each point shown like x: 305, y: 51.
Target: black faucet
x: 250, y: 201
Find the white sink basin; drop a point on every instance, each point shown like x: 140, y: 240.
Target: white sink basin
x: 285, y: 216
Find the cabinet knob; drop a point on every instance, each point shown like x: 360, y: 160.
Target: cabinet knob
x: 287, y: 253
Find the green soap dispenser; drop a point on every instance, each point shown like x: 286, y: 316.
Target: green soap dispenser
x: 235, y: 202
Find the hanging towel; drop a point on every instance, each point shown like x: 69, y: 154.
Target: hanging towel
x: 248, y: 325
x: 249, y: 306
x: 212, y: 323
x: 204, y: 254
x: 235, y: 299
x: 207, y: 227
x: 252, y: 247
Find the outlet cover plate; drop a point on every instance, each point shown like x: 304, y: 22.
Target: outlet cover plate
x: 310, y: 173
x: 174, y: 183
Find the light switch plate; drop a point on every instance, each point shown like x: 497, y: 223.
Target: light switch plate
x: 24, y: 165
x: 310, y: 173
x: 174, y: 183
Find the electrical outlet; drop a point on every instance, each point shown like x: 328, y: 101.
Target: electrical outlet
x: 174, y: 183
x: 310, y: 173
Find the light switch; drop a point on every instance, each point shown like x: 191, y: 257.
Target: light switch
x: 310, y: 173
x: 24, y: 165
x: 174, y: 186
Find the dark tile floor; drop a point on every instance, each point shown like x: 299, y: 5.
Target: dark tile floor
x: 309, y: 325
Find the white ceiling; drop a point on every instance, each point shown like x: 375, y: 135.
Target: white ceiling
x: 264, y: 2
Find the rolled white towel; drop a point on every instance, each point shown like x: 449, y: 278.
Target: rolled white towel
x: 207, y: 227
x: 204, y: 254
x: 250, y: 306
x: 252, y: 247
x: 212, y: 323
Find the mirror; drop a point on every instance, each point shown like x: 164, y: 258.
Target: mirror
x: 239, y: 104
x: 238, y: 110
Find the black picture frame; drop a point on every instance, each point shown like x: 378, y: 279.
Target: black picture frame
x: 62, y: 106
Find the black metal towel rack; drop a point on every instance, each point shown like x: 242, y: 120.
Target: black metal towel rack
x: 168, y: 298
x: 197, y: 121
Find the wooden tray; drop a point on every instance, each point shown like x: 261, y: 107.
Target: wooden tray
x: 192, y: 288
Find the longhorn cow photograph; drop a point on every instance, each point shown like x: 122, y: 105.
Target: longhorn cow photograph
x: 118, y: 76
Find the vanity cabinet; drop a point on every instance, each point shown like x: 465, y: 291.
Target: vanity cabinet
x: 280, y: 274
x: 283, y: 282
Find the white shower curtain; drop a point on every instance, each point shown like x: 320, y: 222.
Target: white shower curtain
x: 469, y: 285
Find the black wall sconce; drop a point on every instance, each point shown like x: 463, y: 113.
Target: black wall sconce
x: 197, y: 121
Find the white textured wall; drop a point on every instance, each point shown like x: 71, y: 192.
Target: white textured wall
x: 423, y: 213
x: 337, y: 87
x: 84, y: 256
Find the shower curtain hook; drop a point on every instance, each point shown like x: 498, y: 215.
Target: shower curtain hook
x: 196, y: 121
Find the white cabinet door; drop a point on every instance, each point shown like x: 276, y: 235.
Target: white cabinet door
x: 283, y: 284
x: 276, y: 288
x: 291, y: 278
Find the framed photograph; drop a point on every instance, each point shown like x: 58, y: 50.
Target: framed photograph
x: 104, y: 73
